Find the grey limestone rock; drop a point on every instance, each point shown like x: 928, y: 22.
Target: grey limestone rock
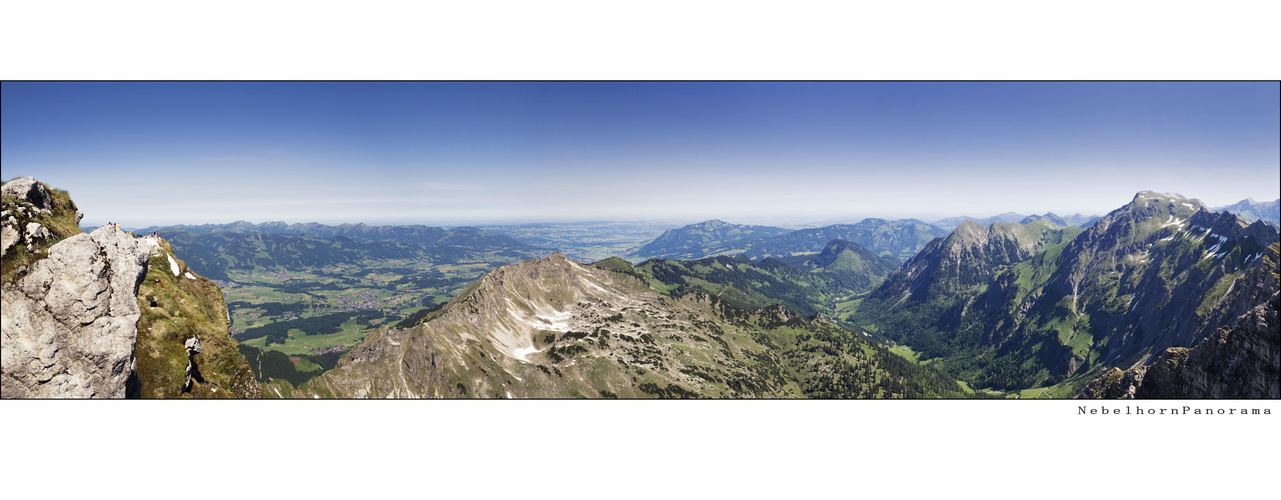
x: 28, y: 189
x: 193, y: 348
x: 36, y: 233
x: 8, y: 233
x: 70, y: 325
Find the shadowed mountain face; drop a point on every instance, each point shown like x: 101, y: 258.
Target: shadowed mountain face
x: 556, y: 328
x: 807, y: 284
x: 1240, y: 361
x: 899, y: 239
x: 1021, y: 305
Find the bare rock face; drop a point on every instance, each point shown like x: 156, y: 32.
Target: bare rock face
x: 28, y: 189
x: 1236, y: 362
x: 193, y: 348
x: 9, y: 234
x: 70, y: 325
x: 36, y: 234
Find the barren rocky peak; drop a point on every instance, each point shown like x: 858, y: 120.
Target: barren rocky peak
x: 29, y: 190
x: 535, y: 294
x: 970, y: 229
x: 70, y: 323
x: 17, y: 227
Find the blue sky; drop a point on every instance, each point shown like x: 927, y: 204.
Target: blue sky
x: 446, y: 153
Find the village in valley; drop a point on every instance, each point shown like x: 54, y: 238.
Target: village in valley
x: 328, y: 309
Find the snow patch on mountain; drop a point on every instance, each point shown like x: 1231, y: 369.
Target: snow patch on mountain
x: 1175, y: 222
x: 521, y: 353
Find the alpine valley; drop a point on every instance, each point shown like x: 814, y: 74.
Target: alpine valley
x: 1163, y: 297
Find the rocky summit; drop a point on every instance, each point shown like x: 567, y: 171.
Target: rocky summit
x: 28, y: 190
x: 69, y: 324
x: 106, y: 314
x: 542, y: 328
x: 29, y: 210
x: 554, y: 328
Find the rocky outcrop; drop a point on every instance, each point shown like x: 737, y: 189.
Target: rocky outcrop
x: 36, y: 234
x: 1236, y: 362
x: 192, y: 345
x: 69, y: 324
x: 27, y: 189
x: 13, y: 232
x: 9, y: 235
x: 27, y: 204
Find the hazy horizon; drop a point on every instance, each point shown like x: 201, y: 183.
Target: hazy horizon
x: 789, y: 223
x: 799, y: 153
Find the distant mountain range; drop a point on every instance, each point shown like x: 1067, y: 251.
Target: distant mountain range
x: 1021, y: 305
x: 1251, y: 210
x: 896, y: 239
x: 956, y: 221
x: 213, y: 249
x: 1074, y: 220
x: 1008, y: 306
x: 807, y: 284
x: 707, y: 238
x: 417, y: 234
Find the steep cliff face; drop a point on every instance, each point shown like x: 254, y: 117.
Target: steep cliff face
x: 1236, y: 362
x: 69, y: 322
x: 105, y: 314
x: 929, y: 301
x: 1163, y: 272
x: 966, y: 259
x: 181, y: 309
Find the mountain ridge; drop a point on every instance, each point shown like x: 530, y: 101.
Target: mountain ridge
x: 414, y: 233
x: 1251, y: 210
x: 690, y: 242
x: 1158, y: 272
x: 898, y: 239
x: 555, y: 328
